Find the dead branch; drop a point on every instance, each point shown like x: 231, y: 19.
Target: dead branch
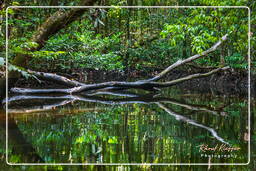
x: 181, y: 62
x: 118, y: 84
x: 150, y: 84
x: 56, y: 78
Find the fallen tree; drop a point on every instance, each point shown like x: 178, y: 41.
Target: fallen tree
x: 149, y: 84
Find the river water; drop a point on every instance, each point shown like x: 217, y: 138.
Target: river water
x: 174, y: 126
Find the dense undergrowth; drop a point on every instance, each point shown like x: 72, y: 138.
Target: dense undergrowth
x: 123, y: 39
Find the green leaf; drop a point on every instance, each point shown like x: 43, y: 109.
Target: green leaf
x: 20, y: 70
x: 112, y: 140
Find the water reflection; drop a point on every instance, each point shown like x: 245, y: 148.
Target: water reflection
x: 125, y: 127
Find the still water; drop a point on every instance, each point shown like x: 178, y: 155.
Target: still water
x: 174, y: 126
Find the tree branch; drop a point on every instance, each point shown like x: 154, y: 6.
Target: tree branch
x: 150, y: 84
x: 56, y: 78
x: 181, y: 62
x: 117, y: 84
x: 58, y: 21
x: 52, y: 25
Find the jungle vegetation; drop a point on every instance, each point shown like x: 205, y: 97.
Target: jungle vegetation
x: 124, y: 39
x: 128, y: 41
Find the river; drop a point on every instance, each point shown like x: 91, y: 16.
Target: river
x: 174, y: 126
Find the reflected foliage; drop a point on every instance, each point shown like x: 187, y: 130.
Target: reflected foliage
x: 135, y: 133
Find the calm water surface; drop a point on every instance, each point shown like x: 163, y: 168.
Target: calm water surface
x: 126, y: 127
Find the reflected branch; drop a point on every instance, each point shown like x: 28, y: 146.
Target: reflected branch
x: 129, y: 98
x: 192, y: 122
x: 40, y: 108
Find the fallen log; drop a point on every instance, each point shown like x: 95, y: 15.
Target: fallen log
x: 149, y: 84
x: 117, y: 84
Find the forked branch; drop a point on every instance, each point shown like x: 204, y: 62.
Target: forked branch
x: 149, y: 84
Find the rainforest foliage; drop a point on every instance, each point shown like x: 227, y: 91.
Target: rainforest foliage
x: 126, y: 40
x: 135, y: 38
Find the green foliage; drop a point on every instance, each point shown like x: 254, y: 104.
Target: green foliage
x: 237, y: 61
x: 82, y: 49
x: 117, y: 38
x: 156, y: 54
x: 21, y: 70
x: 201, y: 28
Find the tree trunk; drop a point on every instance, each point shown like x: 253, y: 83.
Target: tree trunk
x: 51, y: 26
x: 149, y: 84
x: 152, y: 86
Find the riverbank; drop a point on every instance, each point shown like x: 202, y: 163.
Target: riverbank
x: 231, y: 82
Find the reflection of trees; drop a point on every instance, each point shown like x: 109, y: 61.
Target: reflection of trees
x: 127, y: 97
x: 22, y: 146
x: 192, y: 122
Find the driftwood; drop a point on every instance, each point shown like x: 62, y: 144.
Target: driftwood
x: 149, y: 84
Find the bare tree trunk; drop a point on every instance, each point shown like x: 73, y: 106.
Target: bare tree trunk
x: 138, y: 84
x: 149, y: 84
